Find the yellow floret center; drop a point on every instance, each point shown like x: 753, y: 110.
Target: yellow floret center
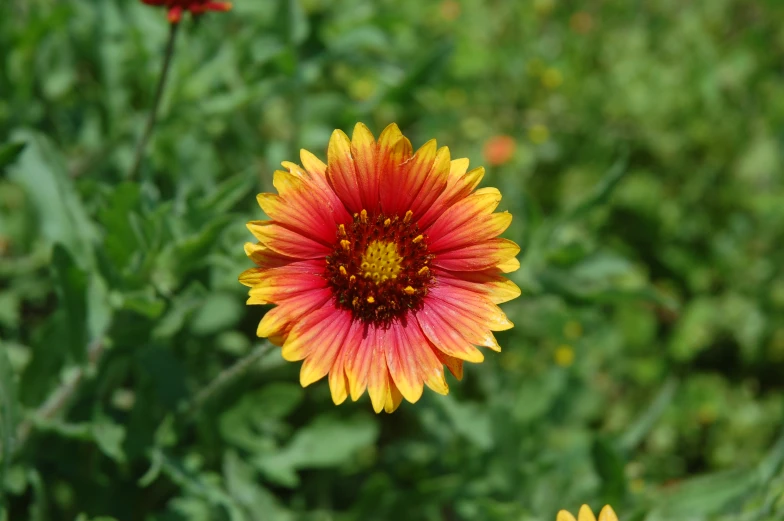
x: 381, y: 262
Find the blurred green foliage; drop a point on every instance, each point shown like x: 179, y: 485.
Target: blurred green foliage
x: 646, y: 368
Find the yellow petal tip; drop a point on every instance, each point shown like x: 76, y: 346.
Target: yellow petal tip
x: 585, y: 514
x: 563, y: 515
x: 607, y: 514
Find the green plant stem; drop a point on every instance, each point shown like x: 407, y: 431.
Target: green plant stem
x: 226, y: 378
x: 61, y: 396
x: 153, y: 116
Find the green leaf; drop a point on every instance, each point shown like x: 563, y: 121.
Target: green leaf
x: 198, y: 485
x: 144, y: 302
x: 109, y: 436
x: 84, y: 301
x: 165, y: 436
x: 71, y: 285
x: 85, y: 517
x: 9, y: 308
x: 637, y: 431
x: 773, y: 462
x: 609, y: 464
x: 166, y: 374
x: 8, y: 153
x: 242, y: 483
x: 189, y: 253
x: 249, y: 422
x: 294, y: 21
x: 219, y: 311
x: 535, y: 398
x: 38, y: 510
x: 470, y: 420
x: 102, y: 431
x: 428, y: 65
x: 226, y: 195
x: 121, y: 243
x: 156, y: 464
x: 165, y: 433
x: 8, y: 415
x: 603, y: 276
x: 703, y: 495
x: 275, y: 400
x: 41, y: 171
x: 696, y: 328
x: 180, y: 308
x: 16, y: 480
x: 327, y: 442
x: 99, y: 308
x: 603, y: 190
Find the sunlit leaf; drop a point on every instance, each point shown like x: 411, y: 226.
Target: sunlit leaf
x: 324, y: 443
x: 63, y: 219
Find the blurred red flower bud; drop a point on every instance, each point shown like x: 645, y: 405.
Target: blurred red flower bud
x: 450, y: 10
x: 195, y: 7
x: 581, y: 22
x: 498, y: 150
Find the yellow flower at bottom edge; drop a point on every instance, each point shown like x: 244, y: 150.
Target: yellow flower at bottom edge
x: 586, y: 514
x: 385, y: 265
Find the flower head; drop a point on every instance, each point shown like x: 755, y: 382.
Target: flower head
x: 385, y: 266
x: 195, y: 7
x: 586, y: 514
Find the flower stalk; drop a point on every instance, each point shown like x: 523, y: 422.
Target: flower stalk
x: 62, y: 395
x: 153, y: 115
x: 226, y: 378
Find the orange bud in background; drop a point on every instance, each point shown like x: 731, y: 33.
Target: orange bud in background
x: 450, y: 10
x: 581, y: 22
x: 498, y: 150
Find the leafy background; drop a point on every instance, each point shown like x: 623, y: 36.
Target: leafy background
x: 646, y: 366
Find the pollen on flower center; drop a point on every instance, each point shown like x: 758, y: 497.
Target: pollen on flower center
x: 381, y: 262
x: 379, y: 267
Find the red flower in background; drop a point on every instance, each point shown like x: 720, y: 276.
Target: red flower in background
x: 195, y: 7
x: 498, y: 150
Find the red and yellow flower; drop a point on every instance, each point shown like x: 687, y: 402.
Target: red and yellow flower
x: 195, y: 7
x: 385, y: 265
x: 586, y: 514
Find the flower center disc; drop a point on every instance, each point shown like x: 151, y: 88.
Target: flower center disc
x: 379, y: 267
x: 381, y: 262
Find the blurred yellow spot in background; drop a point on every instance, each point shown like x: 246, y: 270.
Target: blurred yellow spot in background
x: 564, y: 355
x: 538, y: 134
x: 362, y: 89
x: 552, y: 78
x: 544, y: 7
x: 637, y: 485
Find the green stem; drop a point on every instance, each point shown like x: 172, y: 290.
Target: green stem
x: 153, y: 116
x: 227, y: 377
x: 62, y: 395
